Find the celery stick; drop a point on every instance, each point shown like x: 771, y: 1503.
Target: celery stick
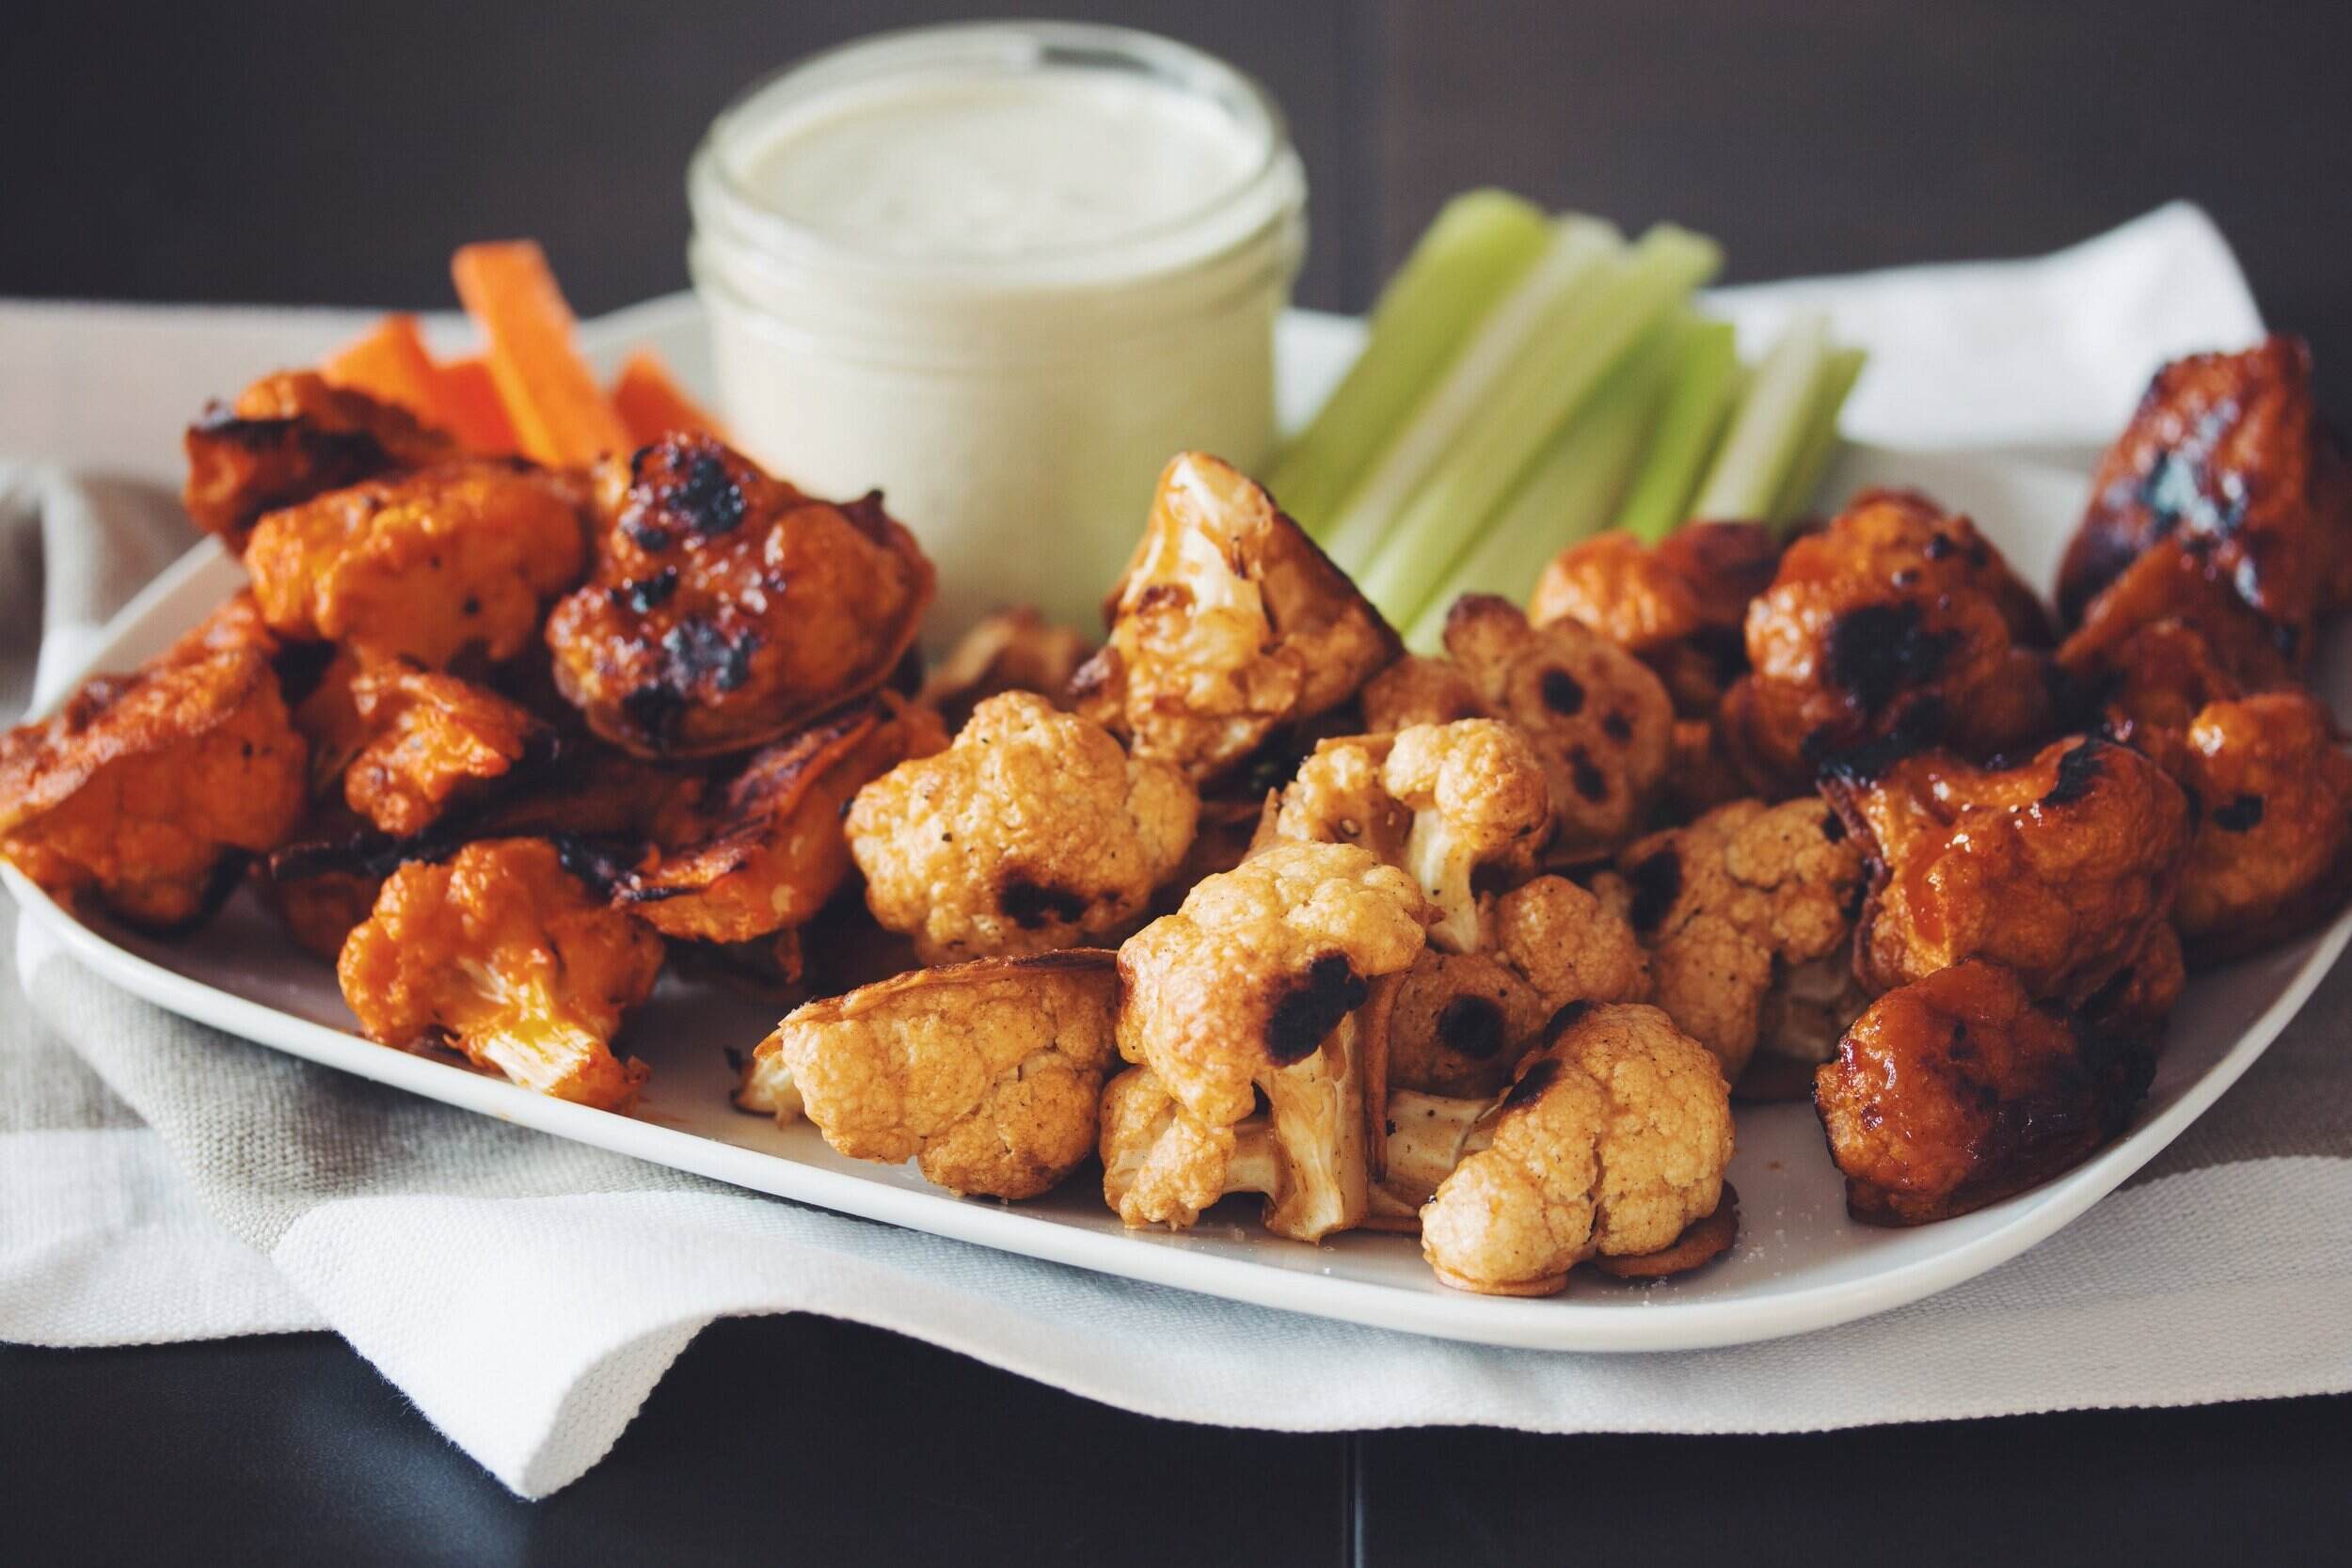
x: 1480, y: 243
x: 1574, y: 487
x: 1704, y: 391
x: 1820, y: 442
x: 1571, y: 264
x: 1761, y: 443
x: 1550, y: 380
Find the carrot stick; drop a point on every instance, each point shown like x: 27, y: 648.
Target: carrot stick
x: 390, y: 363
x: 560, y: 416
x: 471, y: 409
x: 652, y: 404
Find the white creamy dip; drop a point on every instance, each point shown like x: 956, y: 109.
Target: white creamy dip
x: 1001, y: 273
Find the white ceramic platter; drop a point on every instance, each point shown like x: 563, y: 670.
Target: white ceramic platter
x: 1799, y: 1264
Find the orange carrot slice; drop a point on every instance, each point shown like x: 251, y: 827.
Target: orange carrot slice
x: 560, y: 414
x: 652, y: 404
x: 390, y: 363
x: 471, y: 409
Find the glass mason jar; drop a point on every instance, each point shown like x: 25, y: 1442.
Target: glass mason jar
x: 1001, y: 272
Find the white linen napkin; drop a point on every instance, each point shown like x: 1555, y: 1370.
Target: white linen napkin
x: 160, y: 1180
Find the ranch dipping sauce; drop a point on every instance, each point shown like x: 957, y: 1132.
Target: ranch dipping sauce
x: 1002, y: 272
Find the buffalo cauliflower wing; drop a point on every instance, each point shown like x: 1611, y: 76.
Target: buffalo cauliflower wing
x: 507, y: 955
x: 1958, y: 1089
x: 435, y: 743
x: 724, y: 608
x: 1229, y: 625
x: 1677, y: 605
x: 987, y: 1074
x: 2060, y: 867
x: 288, y: 437
x: 147, y: 791
x: 2225, y: 459
x: 1735, y: 910
x: 1442, y: 801
x: 1612, y: 1142
x: 1033, y: 830
x: 1270, y: 981
x: 2272, y: 853
x: 1898, y: 625
x: 423, y: 566
x: 1599, y: 718
x: 1460, y: 1021
x: 767, y: 854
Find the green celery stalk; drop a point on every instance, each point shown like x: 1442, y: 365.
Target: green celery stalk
x: 1761, y: 443
x: 1700, y: 401
x: 1552, y: 378
x: 1576, y: 486
x: 1577, y: 253
x: 1820, y: 441
x: 1479, y: 244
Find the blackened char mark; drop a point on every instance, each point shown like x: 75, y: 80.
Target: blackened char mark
x: 1312, y: 1006
x: 2240, y: 813
x: 1532, y: 1083
x: 1033, y: 904
x: 1878, y: 651
x: 1570, y: 1015
x: 1472, y: 1026
x: 1917, y: 725
x: 1563, y: 692
x: 707, y: 498
x: 2078, y: 772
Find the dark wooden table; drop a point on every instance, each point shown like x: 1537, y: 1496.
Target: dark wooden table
x: 280, y: 151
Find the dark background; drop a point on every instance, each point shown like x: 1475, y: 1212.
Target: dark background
x: 274, y: 151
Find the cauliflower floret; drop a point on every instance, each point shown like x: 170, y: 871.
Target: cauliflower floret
x: 771, y: 852
x: 985, y: 1074
x: 2273, y: 849
x: 2060, y: 867
x: 1614, y: 1141
x: 1228, y: 624
x: 1268, y: 981
x: 464, y: 555
x: 1597, y: 718
x: 1439, y: 800
x: 1033, y: 830
x: 1958, y: 1089
x: 434, y: 742
x: 288, y: 437
x: 724, y: 609
x: 514, y: 959
x: 1461, y: 1020
x: 1731, y: 905
x: 148, y: 790
x: 1677, y: 605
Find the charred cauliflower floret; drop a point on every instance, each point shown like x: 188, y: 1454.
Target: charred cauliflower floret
x: 511, y: 959
x: 769, y: 851
x: 1612, y: 1141
x: 1033, y: 830
x: 1228, y: 624
x: 2225, y: 459
x: 1268, y: 981
x: 288, y: 437
x: 987, y: 1074
x: 1677, y: 605
x: 2060, y: 867
x: 724, y: 609
x: 146, y: 791
x: 1599, y: 718
x: 1733, y: 909
x: 2272, y: 854
x: 1440, y: 800
x: 1958, y: 1089
x: 434, y: 742
x: 426, y: 566
x: 1898, y: 627
x: 1461, y: 1020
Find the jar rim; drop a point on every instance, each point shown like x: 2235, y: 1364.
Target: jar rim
x: 722, y: 199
